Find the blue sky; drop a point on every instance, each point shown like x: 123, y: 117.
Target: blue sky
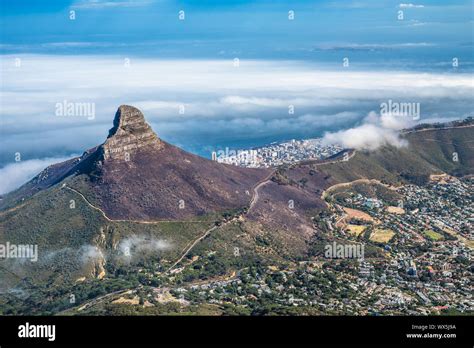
x: 251, y: 29
x: 174, y: 63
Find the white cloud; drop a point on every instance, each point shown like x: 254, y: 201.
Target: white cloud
x: 90, y: 253
x: 375, y: 131
x: 239, y: 101
x: 374, y: 46
x: 98, y: 4
x: 133, y: 246
x: 395, y: 122
x: 410, y: 5
x: 250, y: 101
x: 14, y: 175
x: 416, y: 23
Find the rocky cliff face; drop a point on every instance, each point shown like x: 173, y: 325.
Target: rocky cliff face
x: 129, y: 133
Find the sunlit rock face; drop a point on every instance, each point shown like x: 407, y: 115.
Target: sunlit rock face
x: 129, y: 133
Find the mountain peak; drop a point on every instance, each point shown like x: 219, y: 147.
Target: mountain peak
x: 129, y: 133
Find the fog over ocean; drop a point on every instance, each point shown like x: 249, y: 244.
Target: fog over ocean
x: 219, y: 78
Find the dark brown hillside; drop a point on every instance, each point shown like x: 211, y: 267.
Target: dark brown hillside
x: 142, y: 177
x: 135, y: 175
x: 171, y: 184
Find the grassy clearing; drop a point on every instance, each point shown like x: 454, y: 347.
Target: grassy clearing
x: 434, y: 236
x: 382, y: 235
x: 356, y: 229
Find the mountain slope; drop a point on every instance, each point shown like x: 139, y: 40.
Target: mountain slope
x: 136, y: 204
x: 432, y: 151
x: 135, y: 175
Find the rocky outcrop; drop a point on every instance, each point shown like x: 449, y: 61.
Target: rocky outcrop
x: 129, y: 133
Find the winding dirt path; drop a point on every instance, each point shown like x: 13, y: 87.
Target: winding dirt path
x: 12, y: 209
x: 188, y: 249
x: 431, y: 129
x: 253, y: 201
x: 149, y: 222
x: 262, y: 183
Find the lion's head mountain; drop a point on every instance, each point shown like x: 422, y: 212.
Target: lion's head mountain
x: 136, y: 202
x: 136, y: 175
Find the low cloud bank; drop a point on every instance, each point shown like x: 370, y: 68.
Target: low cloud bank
x: 206, y: 105
x: 91, y: 253
x: 16, y: 174
x: 375, y: 131
x: 138, y: 245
